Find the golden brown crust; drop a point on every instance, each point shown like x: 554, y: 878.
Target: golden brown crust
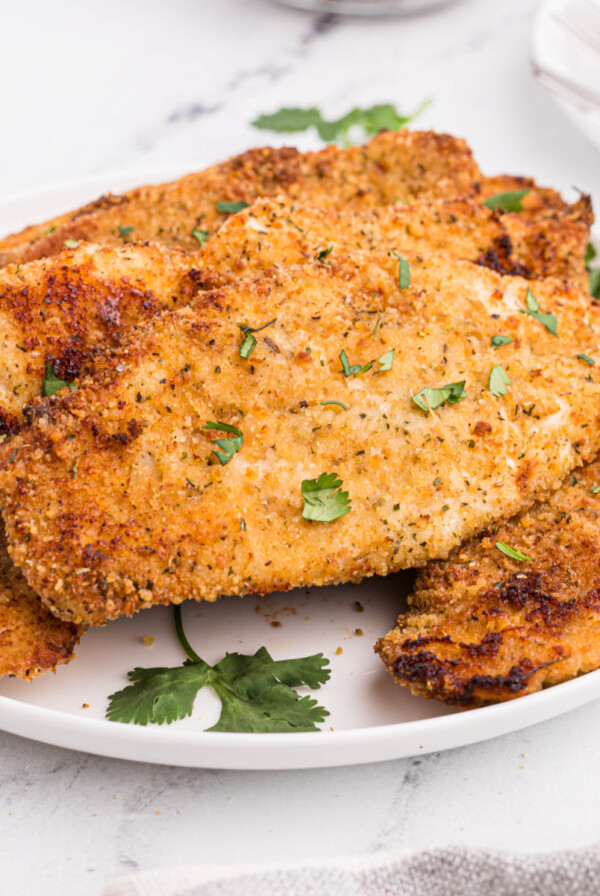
x: 392, y: 166
x: 114, y: 501
x: 32, y: 640
x: 483, y: 628
x: 277, y: 232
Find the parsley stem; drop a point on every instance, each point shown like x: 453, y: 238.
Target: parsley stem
x: 182, y: 638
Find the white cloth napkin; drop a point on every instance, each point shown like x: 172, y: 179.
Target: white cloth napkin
x: 438, y: 872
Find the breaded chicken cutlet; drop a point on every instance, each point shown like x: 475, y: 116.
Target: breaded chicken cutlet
x: 483, y: 627
x: 32, y: 640
x: 115, y: 500
x: 389, y: 168
x: 276, y: 232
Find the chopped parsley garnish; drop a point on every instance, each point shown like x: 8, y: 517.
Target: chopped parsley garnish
x: 498, y: 381
x: 512, y: 553
x: 543, y: 317
x: 507, y: 202
x: 596, y: 490
x: 124, y: 231
x: 200, y: 235
x: 52, y: 384
x: 587, y: 359
x: 369, y: 121
x: 429, y: 399
x: 228, y: 447
x: 593, y: 273
x: 348, y: 369
x: 248, y: 343
x: 231, y: 208
x: 499, y: 340
x: 71, y: 244
x: 322, y: 255
x: 404, y: 272
x: 339, y: 403
x: 324, y: 501
x: 256, y: 692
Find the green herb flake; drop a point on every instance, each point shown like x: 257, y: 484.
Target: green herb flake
x: 322, y: 255
x: 324, y: 501
x: 596, y: 490
x: 429, y: 399
x: 403, y: 272
x: 587, y: 359
x: 593, y: 273
x: 124, y: 231
x: 52, y: 384
x: 498, y: 381
x: 248, y: 343
x: 512, y: 553
x: 200, y: 235
x: 231, y: 208
x: 229, y: 447
x: 74, y: 470
x: 533, y: 309
x: 353, y: 369
x: 386, y: 360
x: 71, y: 244
x: 499, y: 340
x: 507, y: 202
x: 256, y: 692
x: 339, y: 403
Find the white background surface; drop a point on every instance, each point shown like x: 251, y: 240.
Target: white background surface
x: 98, y: 86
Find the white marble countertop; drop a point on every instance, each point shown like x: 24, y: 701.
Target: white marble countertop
x: 94, y: 87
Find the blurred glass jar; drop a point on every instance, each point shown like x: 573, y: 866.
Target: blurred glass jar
x: 367, y: 7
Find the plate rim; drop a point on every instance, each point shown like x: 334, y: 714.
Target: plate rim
x: 260, y: 751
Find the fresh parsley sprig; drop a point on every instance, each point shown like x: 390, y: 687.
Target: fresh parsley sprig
x: 52, y: 384
x: 367, y: 122
x: 231, y: 208
x: 429, y: 399
x: 507, y: 202
x: 229, y: 447
x: 256, y: 691
x: 324, y: 501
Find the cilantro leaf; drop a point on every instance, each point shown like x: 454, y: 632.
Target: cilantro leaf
x: 587, y: 359
x: 498, y: 381
x: 370, y: 121
x: 333, y: 401
x: 124, y: 231
x: 288, y: 120
x: 229, y: 447
x: 158, y: 695
x: 512, y: 553
x: 323, y: 499
x: 404, y: 272
x: 200, y: 235
x: 230, y: 208
x: 507, y: 202
x: 52, y: 384
x: 499, y: 340
x: 533, y: 309
x: 256, y: 691
x: 248, y: 343
x: 429, y: 399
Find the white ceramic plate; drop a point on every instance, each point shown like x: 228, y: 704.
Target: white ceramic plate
x: 372, y: 719
x: 557, y: 50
